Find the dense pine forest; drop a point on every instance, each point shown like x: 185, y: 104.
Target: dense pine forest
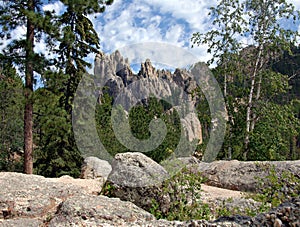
x: 260, y: 83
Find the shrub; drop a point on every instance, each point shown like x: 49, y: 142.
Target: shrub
x: 183, y: 190
x: 276, y: 187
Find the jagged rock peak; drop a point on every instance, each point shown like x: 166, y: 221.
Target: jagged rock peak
x: 109, y: 65
x: 147, y: 70
x: 115, y: 72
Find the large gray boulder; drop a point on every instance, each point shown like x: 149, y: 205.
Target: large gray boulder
x: 137, y: 178
x: 95, y: 168
x: 86, y: 210
x: 244, y: 176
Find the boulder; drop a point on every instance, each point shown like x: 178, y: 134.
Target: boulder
x: 243, y: 176
x: 95, y: 168
x: 87, y: 210
x: 137, y: 178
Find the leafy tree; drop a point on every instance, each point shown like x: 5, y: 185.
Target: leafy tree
x: 260, y: 22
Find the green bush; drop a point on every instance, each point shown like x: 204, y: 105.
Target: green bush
x: 183, y: 189
x: 276, y: 187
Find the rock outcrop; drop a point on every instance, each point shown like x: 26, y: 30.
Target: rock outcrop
x: 174, y: 87
x: 95, y: 168
x: 31, y: 200
x: 243, y: 176
x: 85, y: 210
x: 138, y: 179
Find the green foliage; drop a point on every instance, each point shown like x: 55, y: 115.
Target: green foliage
x: 107, y: 189
x: 271, y: 138
x: 69, y: 37
x: 183, y: 189
x: 11, y: 114
x: 104, y: 127
x: 252, y: 89
x: 56, y: 152
x: 139, y: 119
x: 276, y: 188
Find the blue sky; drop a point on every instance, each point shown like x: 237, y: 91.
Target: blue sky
x: 133, y: 21
x: 128, y: 22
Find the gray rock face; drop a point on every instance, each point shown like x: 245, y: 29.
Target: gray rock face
x: 85, y: 210
x: 137, y: 178
x: 31, y: 200
x: 134, y: 169
x: 242, y: 176
x: 95, y: 168
x: 121, y: 85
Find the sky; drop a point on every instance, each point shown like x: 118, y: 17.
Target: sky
x: 128, y: 22
x: 168, y: 21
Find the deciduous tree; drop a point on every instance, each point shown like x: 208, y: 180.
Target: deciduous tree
x: 261, y: 24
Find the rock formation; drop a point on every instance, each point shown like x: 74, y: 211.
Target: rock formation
x: 114, y: 73
x: 138, y: 179
x: 242, y: 176
x: 95, y: 168
x: 31, y: 200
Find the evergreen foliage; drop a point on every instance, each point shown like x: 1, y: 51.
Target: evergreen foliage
x: 139, y: 119
x: 11, y: 115
x: 74, y: 35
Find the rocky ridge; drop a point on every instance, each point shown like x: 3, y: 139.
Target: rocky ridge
x: 31, y: 200
x: 113, y: 71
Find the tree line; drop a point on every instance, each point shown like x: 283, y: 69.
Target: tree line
x: 260, y: 83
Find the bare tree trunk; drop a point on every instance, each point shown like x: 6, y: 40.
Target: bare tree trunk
x: 28, y: 113
x: 225, y: 85
x: 249, y: 116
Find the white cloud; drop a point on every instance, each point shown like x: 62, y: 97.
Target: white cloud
x: 174, y: 33
x: 169, y: 21
x: 193, y: 12
x: 58, y: 7
x: 296, y: 3
x: 16, y: 34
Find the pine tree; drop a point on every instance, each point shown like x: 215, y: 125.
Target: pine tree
x: 21, y: 52
x: 11, y: 115
x: 77, y: 39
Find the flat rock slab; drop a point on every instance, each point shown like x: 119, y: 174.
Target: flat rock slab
x: 33, y: 196
x: 210, y: 193
x: 243, y: 176
x: 31, y: 200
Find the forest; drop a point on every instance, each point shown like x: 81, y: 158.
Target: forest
x: 260, y: 83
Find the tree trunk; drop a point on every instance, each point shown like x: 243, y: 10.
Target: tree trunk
x: 249, y: 117
x: 28, y: 113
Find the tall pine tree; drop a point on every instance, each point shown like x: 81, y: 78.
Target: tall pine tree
x: 71, y: 30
